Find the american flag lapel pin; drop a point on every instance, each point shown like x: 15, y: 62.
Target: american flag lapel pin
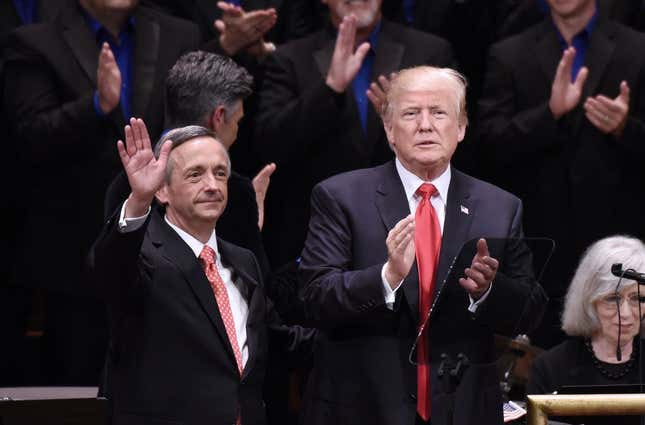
x: 464, y: 210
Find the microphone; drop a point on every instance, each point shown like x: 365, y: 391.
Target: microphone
x: 617, y: 270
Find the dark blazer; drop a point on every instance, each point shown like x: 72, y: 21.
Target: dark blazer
x: 50, y: 82
x: 312, y: 133
x: 577, y: 184
x: 170, y: 357
x: 361, y: 369
x: 571, y: 363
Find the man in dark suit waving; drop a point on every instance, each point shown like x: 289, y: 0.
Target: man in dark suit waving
x: 188, y: 313
x: 367, y: 293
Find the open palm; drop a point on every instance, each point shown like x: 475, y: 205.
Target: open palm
x: 145, y: 172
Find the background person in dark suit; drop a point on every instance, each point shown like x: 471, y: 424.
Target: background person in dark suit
x: 562, y: 125
x: 70, y: 86
x: 314, y: 117
x: 188, y: 314
x: 362, y: 285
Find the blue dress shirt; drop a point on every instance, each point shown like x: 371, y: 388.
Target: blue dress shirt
x: 581, y: 43
x: 363, y: 79
x: 123, y: 49
x: 27, y: 10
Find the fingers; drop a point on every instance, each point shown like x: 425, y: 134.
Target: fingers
x: 220, y: 26
x: 263, y: 177
x: 398, y: 238
x: 123, y: 153
x: 137, y: 133
x: 603, y: 117
x: 129, y: 140
x: 566, y: 63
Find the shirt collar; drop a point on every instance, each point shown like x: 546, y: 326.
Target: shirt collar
x: 411, y: 182
x: 96, y: 27
x: 195, y: 245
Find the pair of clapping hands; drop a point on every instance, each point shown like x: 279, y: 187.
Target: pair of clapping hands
x: 401, y: 253
x: 606, y: 114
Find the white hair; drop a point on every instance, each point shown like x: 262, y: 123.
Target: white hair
x: 593, y: 280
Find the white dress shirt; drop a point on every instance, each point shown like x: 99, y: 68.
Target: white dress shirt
x: 239, y: 306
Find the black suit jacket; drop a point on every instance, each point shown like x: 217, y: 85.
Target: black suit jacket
x: 49, y: 86
x: 312, y: 133
x: 361, y: 372
x: 170, y: 357
x: 577, y: 184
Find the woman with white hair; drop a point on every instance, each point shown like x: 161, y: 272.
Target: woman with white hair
x: 603, y: 320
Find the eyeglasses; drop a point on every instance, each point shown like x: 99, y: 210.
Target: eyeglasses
x: 613, y: 300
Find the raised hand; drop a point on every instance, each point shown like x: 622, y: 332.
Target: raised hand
x: 145, y: 173
x: 481, y: 272
x: 400, y: 251
x: 609, y: 115
x: 377, y: 92
x: 345, y: 62
x: 261, y: 186
x: 108, y: 80
x: 240, y: 30
x: 565, y: 95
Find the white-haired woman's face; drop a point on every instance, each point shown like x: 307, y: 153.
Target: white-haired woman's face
x: 624, y: 305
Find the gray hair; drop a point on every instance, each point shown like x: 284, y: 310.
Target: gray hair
x: 409, y: 76
x: 199, y: 82
x: 181, y: 135
x: 593, y: 280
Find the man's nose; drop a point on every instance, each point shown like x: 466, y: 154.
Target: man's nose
x: 425, y: 120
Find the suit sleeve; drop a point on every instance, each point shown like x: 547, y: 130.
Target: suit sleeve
x: 289, y: 120
x: 333, y: 293
x: 50, y: 125
x: 115, y: 259
x: 517, y: 301
x: 510, y: 132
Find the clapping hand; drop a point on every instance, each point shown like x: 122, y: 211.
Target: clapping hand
x: 609, y: 115
x: 108, y: 80
x: 481, y: 272
x: 241, y: 30
x: 565, y: 95
x: 145, y: 173
x: 345, y: 62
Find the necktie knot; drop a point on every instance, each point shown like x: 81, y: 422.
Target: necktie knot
x: 426, y: 190
x: 207, y: 255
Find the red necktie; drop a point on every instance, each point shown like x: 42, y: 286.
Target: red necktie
x: 427, y: 240
x: 207, y: 256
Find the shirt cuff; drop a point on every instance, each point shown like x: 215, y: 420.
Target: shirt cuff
x: 474, y: 304
x: 97, y: 107
x: 127, y: 225
x: 388, y: 293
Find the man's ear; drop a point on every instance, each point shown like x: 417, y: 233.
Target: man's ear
x: 218, y: 118
x: 388, y: 131
x: 461, y: 131
x: 162, y: 194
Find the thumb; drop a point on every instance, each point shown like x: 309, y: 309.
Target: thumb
x: 164, y: 153
x: 581, y: 78
x: 624, y: 92
x: 482, y: 248
x: 361, y: 52
x: 220, y: 26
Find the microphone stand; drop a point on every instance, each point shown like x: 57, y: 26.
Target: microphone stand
x: 450, y: 374
x: 617, y: 270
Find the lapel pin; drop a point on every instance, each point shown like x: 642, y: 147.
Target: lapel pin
x: 464, y: 210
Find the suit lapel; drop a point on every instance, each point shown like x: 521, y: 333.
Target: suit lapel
x: 392, y: 207
x: 387, y: 59
x: 81, y: 42
x: 547, y: 49
x: 255, y: 319
x: 460, y: 211
x: 146, y: 55
x: 175, y: 250
x: 598, y: 55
